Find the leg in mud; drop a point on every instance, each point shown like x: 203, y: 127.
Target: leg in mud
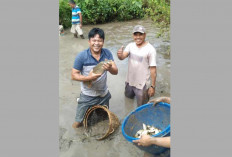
x: 141, y: 96
x: 82, y: 37
x: 75, y: 34
x: 73, y: 30
x: 84, y: 103
x: 79, y: 31
x: 82, y: 107
x: 129, y: 91
x: 76, y: 124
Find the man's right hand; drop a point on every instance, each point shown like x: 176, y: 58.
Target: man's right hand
x: 145, y: 140
x: 120, y: 52
x: 93, y: 76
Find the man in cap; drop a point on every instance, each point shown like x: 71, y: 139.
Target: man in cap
x: 141, y: 76
x: 76, y: 20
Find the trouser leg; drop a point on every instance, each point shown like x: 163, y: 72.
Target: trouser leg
x: 129, y: 91
x: 141, y: 95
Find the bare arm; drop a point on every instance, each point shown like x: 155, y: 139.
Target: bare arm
x: 122, y: 54
x: 151, y: 91
x: 80, y: 15
x: 76, y: 75
x: 147, y: 140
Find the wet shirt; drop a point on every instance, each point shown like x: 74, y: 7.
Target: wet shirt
x: 85, y: 62
x: 140, y: 59
x: 75, y: 15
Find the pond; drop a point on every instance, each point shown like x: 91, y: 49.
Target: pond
x: 75, y: 143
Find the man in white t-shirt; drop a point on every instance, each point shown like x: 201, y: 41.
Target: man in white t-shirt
x: 141, y: 76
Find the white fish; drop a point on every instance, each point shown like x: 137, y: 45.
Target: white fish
x: 147, y: 130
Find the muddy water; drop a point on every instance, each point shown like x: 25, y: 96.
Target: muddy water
x: 75, y: 142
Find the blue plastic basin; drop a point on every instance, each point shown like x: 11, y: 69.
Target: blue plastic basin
x: 157, y: 116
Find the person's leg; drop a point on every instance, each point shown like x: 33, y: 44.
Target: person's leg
x: 80, y: 113
x: 84, y: 103
x: 104, y: 101
x: 141, y: 96
x: 80, y: 32
x: 73, y: 30
x: 129, y: 91
x: 75, y: 35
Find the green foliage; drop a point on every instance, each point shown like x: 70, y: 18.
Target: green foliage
x: 159, y: 12
x: 102, y: 11
x: 65, y: 13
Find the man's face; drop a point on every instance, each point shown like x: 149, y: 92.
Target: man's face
x: 71, y: 5
x: 139, y: 38
x: 96, y: 44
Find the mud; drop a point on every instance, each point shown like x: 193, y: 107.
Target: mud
x: 76, y: 142
x: 97, y: 124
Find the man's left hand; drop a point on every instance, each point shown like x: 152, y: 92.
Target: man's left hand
x: 107, y: 66
x: 151, y: 92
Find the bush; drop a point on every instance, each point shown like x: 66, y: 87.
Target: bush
x: 159, y: 12
x: 102, y: 11
x: 65, y: 13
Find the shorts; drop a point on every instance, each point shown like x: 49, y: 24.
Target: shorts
x: 85, y: 102
x: 140, y: 94
x: 76, y: 29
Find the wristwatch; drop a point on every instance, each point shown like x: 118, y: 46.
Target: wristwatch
x: 152, y: 87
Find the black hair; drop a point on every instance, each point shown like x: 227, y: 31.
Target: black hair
x: 96, y: 31
x: 72, y: 2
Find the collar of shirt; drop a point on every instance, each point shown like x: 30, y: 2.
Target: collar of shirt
x: 101, y: 55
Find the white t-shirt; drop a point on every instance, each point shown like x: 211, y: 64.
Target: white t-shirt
x: 140, y: 59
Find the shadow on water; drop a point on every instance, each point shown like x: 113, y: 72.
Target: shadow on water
x: 75, y: 142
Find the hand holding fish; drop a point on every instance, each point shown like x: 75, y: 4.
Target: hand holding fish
x: 145, y: 140
x: 93, y: 76
x: 107, y: 66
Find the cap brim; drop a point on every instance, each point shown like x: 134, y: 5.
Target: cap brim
x: 138, y: 32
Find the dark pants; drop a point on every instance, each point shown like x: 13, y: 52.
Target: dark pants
x: 85, y: 102
x: 140, y: 94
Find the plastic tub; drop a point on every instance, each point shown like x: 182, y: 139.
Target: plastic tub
x: 157, y: 116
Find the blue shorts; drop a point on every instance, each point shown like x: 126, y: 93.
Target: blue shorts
x: 85, y: 102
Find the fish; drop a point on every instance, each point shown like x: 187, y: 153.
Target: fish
x: 98, y: 69
x: 147, y: 130
x: 160, y: 99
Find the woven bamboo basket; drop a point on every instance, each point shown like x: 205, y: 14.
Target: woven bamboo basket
x: 113, y: 120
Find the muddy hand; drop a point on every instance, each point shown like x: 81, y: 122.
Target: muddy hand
x: 93, y: 76
x: 160, y: 99
x: 120, y: 51
x: 107, y: 66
